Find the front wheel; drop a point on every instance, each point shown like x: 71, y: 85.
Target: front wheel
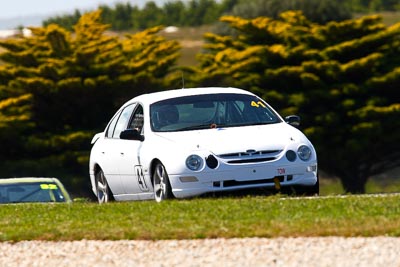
x: 103, y: 190
x: 162, y: 186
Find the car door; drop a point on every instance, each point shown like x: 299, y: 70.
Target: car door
x: 130, y: 166
x: 111, y: 150
x: 106, y: 156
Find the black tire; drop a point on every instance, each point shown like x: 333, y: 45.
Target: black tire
x: 161, y: 184
x: 104, y: 194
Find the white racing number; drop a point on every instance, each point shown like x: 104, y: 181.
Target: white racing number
x: 140, y: 178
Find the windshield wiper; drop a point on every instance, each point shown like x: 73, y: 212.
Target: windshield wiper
x: 222, y: 125
x: 262, y: 123
x: 209, y: 126
x: 195, y: 127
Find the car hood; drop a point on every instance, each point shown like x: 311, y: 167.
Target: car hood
x: 237, y: 139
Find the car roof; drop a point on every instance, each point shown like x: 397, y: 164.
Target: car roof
x: 28, y: 180
x: 158, y: 96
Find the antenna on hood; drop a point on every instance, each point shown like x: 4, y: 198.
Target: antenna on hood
x: 183, y: 81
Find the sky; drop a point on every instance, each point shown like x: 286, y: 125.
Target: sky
x: 14, y: 13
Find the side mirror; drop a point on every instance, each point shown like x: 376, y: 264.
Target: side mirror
x: 131, y: 134
x: 293, y: 120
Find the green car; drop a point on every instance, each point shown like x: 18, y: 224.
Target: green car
x: 32, y: 189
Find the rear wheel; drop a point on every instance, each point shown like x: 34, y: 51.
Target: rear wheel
x: 103, y: 190
x: 162, y: 186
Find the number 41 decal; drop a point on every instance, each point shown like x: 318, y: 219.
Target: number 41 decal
x: 257, y: 104
x: 140, y: 178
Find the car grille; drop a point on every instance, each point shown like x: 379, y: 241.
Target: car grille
x: 231, y: 183
x: 260, y: 182
x: 250, y: 157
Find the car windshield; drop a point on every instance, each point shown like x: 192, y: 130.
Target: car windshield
x: 210, y: 111
x: 31, y: 192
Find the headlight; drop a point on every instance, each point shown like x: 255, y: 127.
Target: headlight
x: 304, y: 152
x: 194, y: 162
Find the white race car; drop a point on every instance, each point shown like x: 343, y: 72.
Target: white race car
x: 188, y: 142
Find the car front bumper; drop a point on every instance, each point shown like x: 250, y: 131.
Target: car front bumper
x: 198, y: 183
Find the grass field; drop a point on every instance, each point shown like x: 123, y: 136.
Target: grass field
x: 388, y: 182
x: 274, y: 216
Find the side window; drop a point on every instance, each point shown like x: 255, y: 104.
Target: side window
x: 137, y: 119
x: 123, y: 121
x: 111, y: 127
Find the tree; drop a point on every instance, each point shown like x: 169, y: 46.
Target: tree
x: 340, y: 77
x: 320, y: 11
x: 174, y: 13
x: 66, y: 21
x: 150, y: 16
x: 124, y: 17
x: 360, y: 6
x: 58, y: 89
